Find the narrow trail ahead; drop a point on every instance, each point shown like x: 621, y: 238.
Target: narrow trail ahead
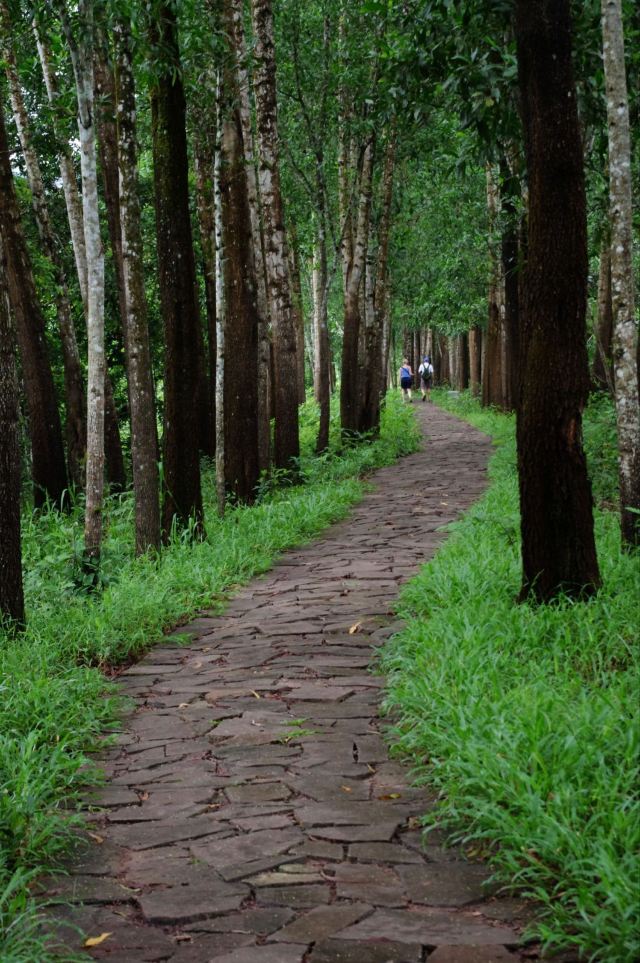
x: 252, y: 814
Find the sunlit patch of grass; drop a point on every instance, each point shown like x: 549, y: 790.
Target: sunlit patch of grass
x: 526, y: 718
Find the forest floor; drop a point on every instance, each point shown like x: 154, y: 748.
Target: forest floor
x: 251, y: 811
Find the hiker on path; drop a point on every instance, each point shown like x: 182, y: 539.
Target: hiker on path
x: 406, y: 380
x: 426, y: 378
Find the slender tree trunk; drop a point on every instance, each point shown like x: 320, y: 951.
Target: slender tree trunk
x: 144, y: 434
x: 204, y: 152
x: 323, y: 359
x: 287, y: 445
x: 445, y: 359
x: 76, y: 434
x: 182, y: 493
x: 67, y: 170
x: 625, y: 330
x: 492, y: 366
x: 11, y: 594
x: 376, y: 357
x: 82, y: 53
x: 73, y: 202
x: 221, y: 308
x: 603, y: 360
x: 349, y: 394
x: 296, y: 297
x: 558, y: 546
x: 475, y: 349
x: 49, y: 473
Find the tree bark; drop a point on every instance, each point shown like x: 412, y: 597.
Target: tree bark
x: 558, y: 546
x: 603, y: 360
x: 49, y: 473
x: 492, y: 341
x: 287, y: 444
x: 178, y: 294
x: 349, y: 387
x: 11, y: 594
x: 204, y: 159
x: 375, y: 352
x: 75, y: 424
x: 241, y: 315
x: 258, y: 236
x: 475, y: 352
x: 221, y: 307
x: 625, y: 330
x: 298, y: 315
x: 510, y: 273
x: 82, y: 53
x: 144, y: 434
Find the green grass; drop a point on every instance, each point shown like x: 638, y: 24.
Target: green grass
x: 56, y: 703
x: 526, y: 718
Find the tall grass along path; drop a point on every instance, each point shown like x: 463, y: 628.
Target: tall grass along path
x: 251, y: 812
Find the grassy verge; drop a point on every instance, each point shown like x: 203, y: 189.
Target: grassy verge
x: 526, y: 718
x: 55, y: 702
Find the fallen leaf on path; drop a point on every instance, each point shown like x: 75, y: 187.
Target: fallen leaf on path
x: 183, y: 705
x: 346, y: 788
x: 97, y: 940
x: 256, y: 694
x: 354, y: 628
x: 96, y: 838
x: 390, y: 795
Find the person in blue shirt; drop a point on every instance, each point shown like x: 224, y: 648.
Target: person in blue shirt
x: 406, y: 380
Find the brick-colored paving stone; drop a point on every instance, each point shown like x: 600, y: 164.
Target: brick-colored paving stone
x: 252, y: 812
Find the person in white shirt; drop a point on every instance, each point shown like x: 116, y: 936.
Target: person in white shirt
x: 426, y: 378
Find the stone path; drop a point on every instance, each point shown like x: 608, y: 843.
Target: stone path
x: 252, y: 814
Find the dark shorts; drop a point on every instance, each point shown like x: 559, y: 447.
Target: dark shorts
x: 427, y: 382
x: 405, y: 383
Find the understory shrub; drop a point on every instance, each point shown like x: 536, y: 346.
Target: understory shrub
x: 525, y: 717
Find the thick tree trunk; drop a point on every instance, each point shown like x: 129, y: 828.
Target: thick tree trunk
x: 510, y: 274
x: 603, y: 360
x: 82, y: 53
x: 558, y: 546
x: 492, y: 341
x: 144, y: 434
x: 287, y: 444
x: 445, y: 359
x: 178, y: 295
x: 625, y: 330
x: 75, y: 424
x: 257, y: 233
x: 11, y: 595
x: 349, y: 387
x: 49, y: 473
x: 242, y: 469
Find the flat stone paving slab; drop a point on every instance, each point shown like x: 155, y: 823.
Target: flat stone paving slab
x: 251, y: 813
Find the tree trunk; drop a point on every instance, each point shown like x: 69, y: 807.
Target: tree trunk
x: 603, y: 360
x: 287, y: 444
x: 178, y: 295
x: 322, y: 380
x: 82, y: 54
x: 75, y: 425
x: 49, y: 473
x: 11, y: 595
x: 374, y: 386
x: 349, y: 393
x: 204, y: 160
x: 475, y: 351
x: 625, y: 331
x: 296, y: 296
x: 492, y: 347
x: 558, y: 546
x: 257, y: 233
x: 144, y: 435
x: 221, y: 308
x: 445, y: 359
x: 510, y: 274
x: 241, y: 317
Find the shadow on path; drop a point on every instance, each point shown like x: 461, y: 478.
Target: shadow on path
x: 252, y: 814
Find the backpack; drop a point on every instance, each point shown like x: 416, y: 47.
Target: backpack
x: 427, y: 371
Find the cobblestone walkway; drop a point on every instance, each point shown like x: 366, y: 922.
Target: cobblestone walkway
x: 252, y: 814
